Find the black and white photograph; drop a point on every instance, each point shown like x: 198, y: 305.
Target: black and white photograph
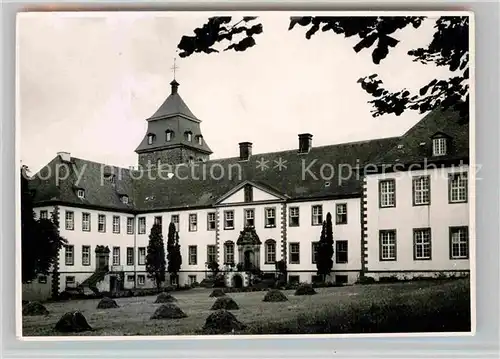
x: 231, y: 174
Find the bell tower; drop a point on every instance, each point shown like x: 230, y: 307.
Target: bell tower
x: 173, y: 135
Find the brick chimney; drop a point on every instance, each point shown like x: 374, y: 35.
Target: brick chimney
x: 305, y: 142
x: 245, y: 150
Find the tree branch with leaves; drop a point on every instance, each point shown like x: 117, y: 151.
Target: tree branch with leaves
x: 449, y: 48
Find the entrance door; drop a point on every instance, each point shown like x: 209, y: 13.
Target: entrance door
x: 237, y: 281
x: 248, y: 259
x: 101, y: 262
x: 113, y: 283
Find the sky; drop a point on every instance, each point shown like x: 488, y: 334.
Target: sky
x: 87, y: 83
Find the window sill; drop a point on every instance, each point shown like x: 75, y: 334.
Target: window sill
x: 228, y: 228
x: 421, y: 204
x: 270, y: 226
x: 388, y: 259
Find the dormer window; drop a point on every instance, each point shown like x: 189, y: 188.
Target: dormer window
x: 189, y: 136
x: 151, y: 138
x: 200, y: 140
x: 80, y: 193
x: 169, y: 134
x: 439, y: 146
x: 124, y: 199
x: 110, y: 178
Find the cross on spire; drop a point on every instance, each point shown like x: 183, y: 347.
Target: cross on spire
x: 175, y: 67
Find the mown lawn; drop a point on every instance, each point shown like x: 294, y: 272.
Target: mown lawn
x: 422, y: 306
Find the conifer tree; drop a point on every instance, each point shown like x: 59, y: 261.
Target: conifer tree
x: 174, y: 257
x: 324, y: 258
x: 155, y: 259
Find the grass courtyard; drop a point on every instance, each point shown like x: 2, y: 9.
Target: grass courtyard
x: 420, y: 306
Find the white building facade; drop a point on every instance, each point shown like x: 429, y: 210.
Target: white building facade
x: 403, y: 213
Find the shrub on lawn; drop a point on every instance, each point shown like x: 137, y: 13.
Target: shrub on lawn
x: 72, y: 322
x: 168, y: 311
x: 390, y: 279
x: 274, y: 295
x: 305, y: 289
x: 165, y: 298
x: 225, y: 303
x: 222, y: 322
x: 107, y: 303
x: 216, y: 293
x: 34, y: 308
x: 365, y: 280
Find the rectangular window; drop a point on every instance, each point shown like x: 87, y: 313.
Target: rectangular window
x: 249, y: 218
x: 293, y: 279
x: 421, y: 190
x: 130, y: 256
x: 387, y: 193
x: 341, y: 252
x: 159, y: 221
x: 270, y: 251
x: 173, y: 280
x: 317, y: 215
x: 86, y: 222
x: 192, y: 255
x: 193, y: 222
x: 69, y: 255
x: 85, y: 255
x: 229, y: 252
x: 458, y: 188
x: 341, y: 210
x: 101, y: 223
x: 175, y: 220
x: 116, y: 224
x: 130, y: 225
x: 439, y: 146
x: 44, y: 214
x: 387, y: 245
x: 192, y: 279
x: 42, y: 279
x: 459, y: 242
x: 270, y: 219
x: 116, y: 256
x: 70, y: 220
x: 228, y: 219
x: 70, y: 281
x: 422, y: 243
x: 248, y: 193
x: 211, y: 253
x: 314, y: 252
x: 142, y: 225
x: 141, y: 257
x: 211, y: 221
x: 141, y: 279
x: 294, y: 217
x: 294, y: 253
x: 130, y: 278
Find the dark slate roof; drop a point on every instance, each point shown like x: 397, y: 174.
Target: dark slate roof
x: 194, y: 186
x: 416, y: 144
x: 173, y: 105
x: 99, y: 191
x: 175, y: 116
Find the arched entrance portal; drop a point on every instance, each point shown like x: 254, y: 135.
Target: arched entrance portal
x: 237, y: 281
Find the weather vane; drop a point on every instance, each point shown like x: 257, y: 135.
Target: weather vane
x: 175, y: 67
